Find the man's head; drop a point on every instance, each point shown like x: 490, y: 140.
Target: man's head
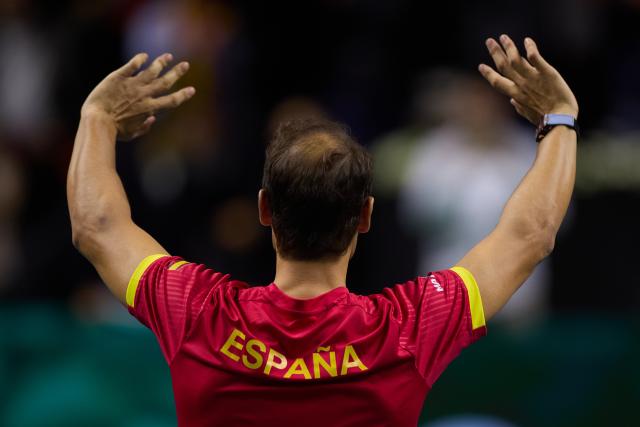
x: 316, y: 190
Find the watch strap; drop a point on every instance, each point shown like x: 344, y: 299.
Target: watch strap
x: 549, y: 121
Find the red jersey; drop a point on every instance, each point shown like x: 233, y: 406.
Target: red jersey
x: 249, y: 356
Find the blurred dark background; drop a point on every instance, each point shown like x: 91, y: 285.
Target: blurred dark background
x: 402, y: 75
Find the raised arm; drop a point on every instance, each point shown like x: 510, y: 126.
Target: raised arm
x: 121, y: 106
x: 526, y: 232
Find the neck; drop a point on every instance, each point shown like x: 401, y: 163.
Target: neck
x: 308, y: 279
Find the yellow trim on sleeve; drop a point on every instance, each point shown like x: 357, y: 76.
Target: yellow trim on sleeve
x: 177, y: 265
x: 475, y: 302
x: 134, y: 281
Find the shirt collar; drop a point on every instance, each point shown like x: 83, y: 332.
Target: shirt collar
x: 317, y: 303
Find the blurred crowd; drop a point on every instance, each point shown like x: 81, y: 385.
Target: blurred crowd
x: 401, y: 74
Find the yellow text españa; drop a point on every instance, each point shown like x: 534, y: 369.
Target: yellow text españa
x: 323, y: 363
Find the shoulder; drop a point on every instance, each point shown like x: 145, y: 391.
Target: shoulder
x: 369, y: 304
x: 404, y: 298
x: 244, y: 291
x: 391, y: 301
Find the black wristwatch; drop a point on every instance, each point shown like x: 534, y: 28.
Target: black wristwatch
x: 549, y: 121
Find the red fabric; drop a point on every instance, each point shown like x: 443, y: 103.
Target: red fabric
x: 394, y: 345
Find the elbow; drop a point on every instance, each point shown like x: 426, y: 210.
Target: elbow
x: 539, y: 237
x: 94, y: 214
x: 79, y: 237
x: 86, y: 229
x: 546, y: 243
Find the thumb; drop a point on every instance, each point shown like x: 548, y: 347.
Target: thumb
x: 146, y: 126
x: 141, y: 130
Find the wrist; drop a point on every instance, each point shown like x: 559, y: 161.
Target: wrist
x: 552, y: 120
x: 97, y: 118
x: 96, y: 113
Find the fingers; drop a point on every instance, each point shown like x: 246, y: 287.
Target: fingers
x: 534, y: 56
x: 519, y: 64
x: 499, y: 82
x: 133, y: 65
x: 165, y: 82
x: 499, y: 57
x: 535, y: 86
x: 172, y: 100
x: 155, y: 68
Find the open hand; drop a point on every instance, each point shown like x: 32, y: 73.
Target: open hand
x: 131, y: 101
x: 534, y: 86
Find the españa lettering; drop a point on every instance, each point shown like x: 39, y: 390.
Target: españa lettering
x: 323, y: 362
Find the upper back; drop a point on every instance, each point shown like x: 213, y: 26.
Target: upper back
x: 244, y: 356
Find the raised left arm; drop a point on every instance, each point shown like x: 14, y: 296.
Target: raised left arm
x: 122, y: 105
x: 527, y: 229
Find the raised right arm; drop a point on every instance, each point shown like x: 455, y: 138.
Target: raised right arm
x: 123, y: 105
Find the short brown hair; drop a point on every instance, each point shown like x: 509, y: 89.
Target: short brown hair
x: 316, y: 179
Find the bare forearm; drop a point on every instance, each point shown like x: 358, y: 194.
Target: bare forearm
x: 537, y: 207
x: 526, y: 232
x: 95, y: 193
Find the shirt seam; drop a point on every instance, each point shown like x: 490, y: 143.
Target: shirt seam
x: 413, y: 356
x: 414, y: 364
x: 187, y: 334
x: 423, y: 297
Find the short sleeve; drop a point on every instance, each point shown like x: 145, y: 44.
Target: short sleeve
x: 439, y: 315
x: 167, y: 294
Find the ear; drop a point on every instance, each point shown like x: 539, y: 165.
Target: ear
x: 365, y: 215
x: 264, y: 210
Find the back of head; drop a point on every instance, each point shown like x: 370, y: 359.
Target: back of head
x: 316, y: 179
